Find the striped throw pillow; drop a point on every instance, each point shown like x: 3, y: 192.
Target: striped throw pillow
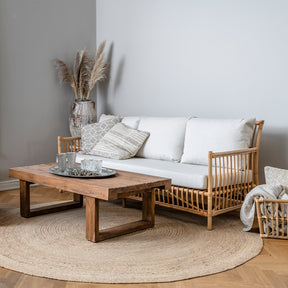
x: 120, y: 142
x: 92, y: 133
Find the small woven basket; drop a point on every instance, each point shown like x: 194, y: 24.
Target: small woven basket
x: 272, y: 217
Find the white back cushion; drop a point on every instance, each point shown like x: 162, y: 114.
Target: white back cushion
x: 217, y: 135
x: 131, y: 121
x: 105, y: 117
x: 166, y: 138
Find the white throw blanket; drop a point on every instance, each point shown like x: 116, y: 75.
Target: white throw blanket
x: 265, y: 191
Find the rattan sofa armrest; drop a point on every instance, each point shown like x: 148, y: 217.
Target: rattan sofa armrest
x: 246, y: 158
x: 234, y: 152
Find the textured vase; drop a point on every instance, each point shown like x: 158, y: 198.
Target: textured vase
x: 82, y: 113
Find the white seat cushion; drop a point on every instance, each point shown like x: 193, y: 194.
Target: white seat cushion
x: 217, y: 135
x: 187, y: 175
x: 166, y: 138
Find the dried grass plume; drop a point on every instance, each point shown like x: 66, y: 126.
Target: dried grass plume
x: 87, y: 71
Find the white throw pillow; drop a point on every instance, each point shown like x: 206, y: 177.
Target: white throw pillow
x: 217, y: 135
x: 166, y: 138
x: 92, y: 133
x: 121, y: 142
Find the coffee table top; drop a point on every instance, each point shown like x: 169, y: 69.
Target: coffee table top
x: 123, y: 184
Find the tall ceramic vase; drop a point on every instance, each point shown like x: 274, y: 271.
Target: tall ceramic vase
x: 82, y: 113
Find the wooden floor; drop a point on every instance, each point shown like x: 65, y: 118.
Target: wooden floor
x: 269, y: 269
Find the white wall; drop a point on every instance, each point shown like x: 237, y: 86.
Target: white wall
x: 34, y: 108
x: 210, y: 58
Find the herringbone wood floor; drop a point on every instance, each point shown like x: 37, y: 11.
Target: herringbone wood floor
x: 269, y: 269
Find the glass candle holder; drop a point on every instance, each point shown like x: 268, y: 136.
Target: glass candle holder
x: 61, y: 160
x: 98, y: 165
x: 71, y: 159
x: 91, y: 165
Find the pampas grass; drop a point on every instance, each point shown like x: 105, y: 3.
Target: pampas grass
x: 87, y: 71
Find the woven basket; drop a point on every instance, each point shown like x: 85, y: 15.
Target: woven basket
x: 272, y: 217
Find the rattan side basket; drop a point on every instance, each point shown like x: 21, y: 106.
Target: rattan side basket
x: 272, y: 218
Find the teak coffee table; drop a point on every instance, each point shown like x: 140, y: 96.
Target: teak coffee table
x: 122, y: 185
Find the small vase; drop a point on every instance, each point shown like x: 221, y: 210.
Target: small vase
x: 83, y: 112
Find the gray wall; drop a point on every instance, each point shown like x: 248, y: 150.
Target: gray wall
x: 187, y: 57
x: 209, y: 58
x: 34, y: 108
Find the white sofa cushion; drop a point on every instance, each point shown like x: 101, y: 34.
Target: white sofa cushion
x: 120, y: 142
x: 131, y: 121
x: 92, y: 133
x: 105, y: 117
x: 186, y: 175
x: 181, y: 174
x: 217, y: 135
x: 166, y: 138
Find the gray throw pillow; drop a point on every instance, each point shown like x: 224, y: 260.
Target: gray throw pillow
x: 120, y: 142
x: 276, y: 176
x: 92, y: 133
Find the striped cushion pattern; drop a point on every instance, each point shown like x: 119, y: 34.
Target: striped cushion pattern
x: 92, y: 133
x: 120, y: 142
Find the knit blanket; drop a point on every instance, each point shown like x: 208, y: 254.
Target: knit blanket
x: 265, y: 191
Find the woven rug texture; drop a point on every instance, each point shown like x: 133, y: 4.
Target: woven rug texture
x: 178, y: 247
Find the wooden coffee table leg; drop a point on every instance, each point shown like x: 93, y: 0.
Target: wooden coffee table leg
x: 78, y: 198
x: 26, y: 211
x: 92, y: 219
x: 24, y: 198
x: 148, y: 207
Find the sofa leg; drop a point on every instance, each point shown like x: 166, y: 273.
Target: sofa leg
x: 124, y: 202
x: 209, y: 223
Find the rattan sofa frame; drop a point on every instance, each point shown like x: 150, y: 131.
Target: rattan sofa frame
x: 227, y: 193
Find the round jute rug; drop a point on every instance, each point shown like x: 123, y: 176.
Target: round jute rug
x: 178, y: 247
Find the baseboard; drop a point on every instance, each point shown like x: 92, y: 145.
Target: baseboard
x: 9, y: 185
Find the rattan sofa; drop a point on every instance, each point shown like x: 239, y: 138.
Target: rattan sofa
x: 231, y: 175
